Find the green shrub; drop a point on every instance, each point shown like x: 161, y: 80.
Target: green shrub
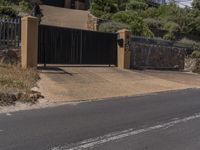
x: 102, y: 7
x: 196, y: 54
x: 138, y: 27
x: 171, y: 27
x: 147, y: 32
x: 169, y: 36
x: 7, y: 11
x: 153, y: 23
x: 136, y: 5
x: 187, y: 41
x: 125, y: 16
x: 112, y: 27
x: 25, y: 6
x: 106, y: 16
x: 97, y: 13
x: 196, y: 4
x: 4, y: 3
x: 151, y: 12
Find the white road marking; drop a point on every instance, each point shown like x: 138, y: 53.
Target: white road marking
x: 122, y: 134
x: 8, y: 114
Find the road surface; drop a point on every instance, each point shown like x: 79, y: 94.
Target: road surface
x: 167, y: 121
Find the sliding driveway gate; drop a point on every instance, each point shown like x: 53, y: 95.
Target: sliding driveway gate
x: 72, y: 46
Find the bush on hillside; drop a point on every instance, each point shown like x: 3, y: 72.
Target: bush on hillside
x: 133, y: 5
x: 139, y: 28
x: 7, y: 11
x: 126, y: 17
x: 151, y: 12
x: 196, y: 54
x: 102, y: 7
x: 153, y: 23
x: 169, y: 36
x: 187, y: 41
x: 171, y: 27
x: 137, y: 25
x: 112, y: 27
x: 25, y: 6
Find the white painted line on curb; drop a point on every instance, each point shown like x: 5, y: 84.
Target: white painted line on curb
x: 90, y: 143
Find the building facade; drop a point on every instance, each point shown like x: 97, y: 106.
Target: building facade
x: 159, y: 1
x: 72, y: 4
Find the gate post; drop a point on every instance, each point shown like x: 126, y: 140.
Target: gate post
x: 29, y: 41
x: 123, y: 50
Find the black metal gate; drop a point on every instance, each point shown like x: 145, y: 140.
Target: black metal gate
x: 73, y: 46
x: 58, y: 3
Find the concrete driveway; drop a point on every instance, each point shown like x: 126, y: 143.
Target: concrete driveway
x: 70, y: 84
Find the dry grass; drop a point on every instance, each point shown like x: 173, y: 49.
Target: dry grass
x: 14, y: 78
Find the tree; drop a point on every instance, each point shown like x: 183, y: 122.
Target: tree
x: 196, y: 4
x: 137, y: 5
x: 7, y: 11
x: 11, y: 8
x: 103, y: 7
x: 125, y: 16
x: 137, y: 25
x: 141, y: 17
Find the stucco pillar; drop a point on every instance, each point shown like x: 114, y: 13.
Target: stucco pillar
x: 29, y: 41
x: 80, y: 5
x: 67, y: 4
x: 124, y: 52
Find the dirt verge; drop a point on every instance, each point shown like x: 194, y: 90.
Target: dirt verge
x: 16, y: 84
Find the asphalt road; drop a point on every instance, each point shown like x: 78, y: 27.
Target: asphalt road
x: 167, y: 121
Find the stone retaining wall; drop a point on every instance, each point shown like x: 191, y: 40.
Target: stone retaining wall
x: 92, y: 23
x: 192, y: 64
x: 146, y: 56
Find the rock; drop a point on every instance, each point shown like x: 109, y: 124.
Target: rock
x: 192, y: 64
x: 7, y: 99
x: 35, y: 89
x: 196, y: 68
x: 10, y: 98
x: 33, y: 98
x: 9, y: 56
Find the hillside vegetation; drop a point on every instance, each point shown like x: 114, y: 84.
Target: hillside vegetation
x: 13, y: 8
x: 143, y: 18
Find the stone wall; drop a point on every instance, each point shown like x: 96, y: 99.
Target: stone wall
x: 92, y: 23
x: 146, y: 56
x: 192, y: 64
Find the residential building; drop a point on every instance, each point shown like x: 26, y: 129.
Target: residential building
x: 156, y: 2
x: 159, y: 1
x: 72, y: 4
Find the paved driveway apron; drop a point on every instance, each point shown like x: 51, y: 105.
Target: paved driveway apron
x: 90, y: 83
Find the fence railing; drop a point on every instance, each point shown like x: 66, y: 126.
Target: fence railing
x: 10, y: 32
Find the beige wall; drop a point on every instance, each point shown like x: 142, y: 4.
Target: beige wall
x: 29, y: 41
